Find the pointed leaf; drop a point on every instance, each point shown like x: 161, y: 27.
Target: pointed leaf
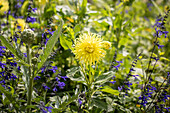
x: 14, y: 51
x: 50, y: 44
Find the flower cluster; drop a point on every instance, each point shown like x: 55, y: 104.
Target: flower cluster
x: 46, y: 73
x: 6, y: 67
x: 149, y: 91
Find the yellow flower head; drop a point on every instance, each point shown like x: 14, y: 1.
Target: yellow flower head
x: 106, y: 44
x: 41, y: 2
x: 21, y: 23
x: 88, y: 48
x: 4, y: 6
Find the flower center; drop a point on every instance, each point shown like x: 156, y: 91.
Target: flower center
x: 89, y: 48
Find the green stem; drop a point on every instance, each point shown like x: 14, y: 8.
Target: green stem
x: 30, y: 85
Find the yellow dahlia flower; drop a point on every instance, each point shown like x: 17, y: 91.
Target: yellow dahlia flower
x: 21, y: 23
x: 4, y: 6
x: 88, y: 49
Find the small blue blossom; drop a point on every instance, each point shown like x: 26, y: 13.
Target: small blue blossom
x: 54, y: 89
x: 113, y: 82
x: 61, y: 84
x: 37, y: 78
x: 2, y: 64
x: 45, y: 87
x: 64, y: 77
x: 49, y: 109
x: 80, y: 102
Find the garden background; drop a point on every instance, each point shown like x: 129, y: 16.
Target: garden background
x: 41, y: 70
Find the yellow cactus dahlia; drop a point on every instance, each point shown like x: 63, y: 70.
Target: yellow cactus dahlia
x: 4, y: 6
x: 88, y: 49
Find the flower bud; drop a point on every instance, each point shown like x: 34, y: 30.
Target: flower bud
x: 106, y: 44
x: 28, y: 36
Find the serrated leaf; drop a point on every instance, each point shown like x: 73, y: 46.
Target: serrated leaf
x: 50, y: 44
x: 14, y: 51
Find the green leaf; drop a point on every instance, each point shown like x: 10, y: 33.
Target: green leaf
x: 24, y: 7
x: 14, y: 51
x: 83, y: 8
x: 74, y: 75
x: 9, y: 97
x: 105, y: 77
x: 77, y: 29
x: 65, y: 42
x: 108, y: 89
x: 48, y: 49
x: 98, y: 103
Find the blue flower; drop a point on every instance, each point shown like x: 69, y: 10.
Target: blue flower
x: 113, y: 82
x: 1, y: 50
x: 120, y: 88
x: 49, y: 108
x: 37, y: 78
x: 45, y: 87
x: 13, y: 64
x: 2, y: 64
x: 31, y: 19
x: 54, y: 89
x: 54, y: 68
x: 80, y: 102
x: 64, y: 77
x: 61, y: 84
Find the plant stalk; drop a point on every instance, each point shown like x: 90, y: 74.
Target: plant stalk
x: 30, y: 85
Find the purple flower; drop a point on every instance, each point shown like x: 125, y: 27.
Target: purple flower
x: 80, y: 102
x: 34, y: 9
x: 135, y: 76
x: 49, y: 108
x: 13, y: 77
x: 43, y: 69
x: 45, y: 87
x: 120, y: 88
x: 19, y: 68
x: 61, y: 84
x: 37, y: 78
x: 1, y: 50
x: 25, y: 54
x: 31, y: 19
x: 56, y: 78
x: 55, y: 89
x: 54, y: 69
x: 2, y: 64
x: 113, y: 82
x: 13, y: 64
x: 64, y: 77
